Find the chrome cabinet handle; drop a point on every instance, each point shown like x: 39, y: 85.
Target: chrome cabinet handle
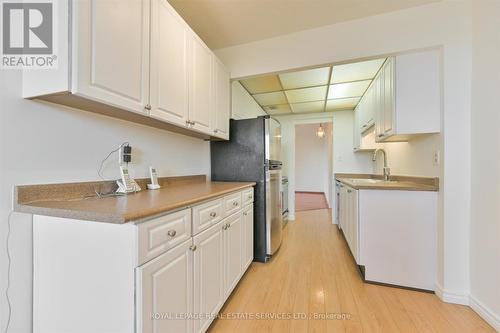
x: 250, y: 196
x: 193, y: 248
x: 380, y: 135
x: 213, y: 214
x: 224, y: 227
x: 229, y: 225
x: 349, y: 191
x: 172, y: 233
x: 147, y: 107
x: 245, y: 213
x: 216, y: 131
x: 235, y: 203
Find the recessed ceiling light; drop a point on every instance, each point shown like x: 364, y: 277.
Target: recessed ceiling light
x: 351, y: 89
x: 273, y: 98
x: 307, y: 78
x: 306, y: 94
x: 356, y: 71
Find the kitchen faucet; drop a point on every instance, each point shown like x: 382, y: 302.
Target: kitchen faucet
x: 387, y: 170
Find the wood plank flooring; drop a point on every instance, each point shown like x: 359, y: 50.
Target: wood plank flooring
x: 314, y: 273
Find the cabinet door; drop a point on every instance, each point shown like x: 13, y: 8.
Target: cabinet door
x: 356, y: 130
x: 388, y: 97
x: 378, y: 106
x: 247, y: 229
x: 232, y: 251
x: 353, y: 222
x: 164, y: 289
x: 220, y: 114
x: 208, y: 275
x: 112, y: 52
x: 169, y: 73
x: 201, y: 85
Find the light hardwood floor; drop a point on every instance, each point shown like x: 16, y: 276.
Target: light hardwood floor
x: 314, y: 272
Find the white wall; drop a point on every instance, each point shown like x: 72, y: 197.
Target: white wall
x: 311, y: 159
x: 447, y: 24
x: 485, y: 208
x: 412, y: 158
x: 243, y: 106
x: 41, y: 143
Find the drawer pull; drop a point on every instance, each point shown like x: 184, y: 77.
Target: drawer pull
x: 235, y: 203
x: 193, y: 248
x: 245, y: 213
x: 226, y: 226
x: 213, y: 214
x: 172, y: 233
x: 250, y: 196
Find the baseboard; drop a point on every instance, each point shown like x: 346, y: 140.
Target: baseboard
x: 489, y: 316
x: 451, y: 296
x: 310, y: 192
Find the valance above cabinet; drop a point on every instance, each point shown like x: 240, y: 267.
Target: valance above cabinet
x: 138, y: 61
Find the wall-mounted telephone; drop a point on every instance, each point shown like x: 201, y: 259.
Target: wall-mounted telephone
x: 126, y: 184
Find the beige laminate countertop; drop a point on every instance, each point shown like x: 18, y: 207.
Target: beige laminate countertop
x: 402, y: 183
x: 131, y: 207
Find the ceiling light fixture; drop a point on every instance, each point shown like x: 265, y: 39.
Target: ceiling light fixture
x: 320, y: 132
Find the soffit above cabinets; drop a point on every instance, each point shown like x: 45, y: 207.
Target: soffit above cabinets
x: 328, y: 88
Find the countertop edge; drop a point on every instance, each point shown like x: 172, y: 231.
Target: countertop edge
x: 418, y: 187
x: 137, y: 217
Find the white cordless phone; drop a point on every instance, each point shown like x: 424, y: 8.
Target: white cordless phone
x: 154, y: 179
x: 127, y: 184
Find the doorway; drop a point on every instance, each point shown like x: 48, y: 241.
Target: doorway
x: 313, y: 166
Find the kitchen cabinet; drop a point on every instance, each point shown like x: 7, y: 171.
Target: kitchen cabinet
x: 403, y: 101
x: 222, y: 100
x: 142, y: 276
x: 208, y: 275
x: 169, y: 79
x: 391, y: 234
x: 247, y: 253
x: 349, y: 218
x: 139, y: 61
x: 201, y: 85
x: 165, y: 288
x: 410, y: 96
x: 232, y: 251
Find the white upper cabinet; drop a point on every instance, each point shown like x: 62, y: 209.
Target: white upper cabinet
x: 169, y: 71
x: 221, y: 113
x: 201, y: 85
x: 135, y: 60
x: 404, y: 100
x: 410, y: 101
x: 112, y: 60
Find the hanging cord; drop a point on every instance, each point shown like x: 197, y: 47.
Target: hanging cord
x: 9, y: 305
x: 106, y: 158
x: 99, y: 171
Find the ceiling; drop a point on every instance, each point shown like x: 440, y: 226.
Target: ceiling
x: 329, y: 88
x: 223, y: 23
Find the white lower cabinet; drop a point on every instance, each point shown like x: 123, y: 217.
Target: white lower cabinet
x: 392, y: 234
x: 171, y: 273
x: 247, y: 238
x: 164, y: 288
x: 208, y: 276
x: 232, y: 252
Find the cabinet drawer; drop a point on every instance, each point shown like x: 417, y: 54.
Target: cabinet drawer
x: 247, y: 196
x: 160, y: 234
x: 207, y: 214
x: 232, y: 203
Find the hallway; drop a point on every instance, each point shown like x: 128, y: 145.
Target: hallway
x: 314, y: 274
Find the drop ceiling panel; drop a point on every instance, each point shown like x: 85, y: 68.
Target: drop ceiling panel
x: 306, y: 94
x: 342, y: 104
x: 318, y: 106
x: 276, y: 110
x: 365, y: 70
x: 307, y: 78
x: 274, y: 98
x: 351, y: 89
x: 262, y: 84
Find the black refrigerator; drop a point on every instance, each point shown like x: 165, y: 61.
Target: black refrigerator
x: 253, y: 154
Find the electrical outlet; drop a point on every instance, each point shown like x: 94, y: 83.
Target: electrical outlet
x: 436, y: 158
x: 125, y: 154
